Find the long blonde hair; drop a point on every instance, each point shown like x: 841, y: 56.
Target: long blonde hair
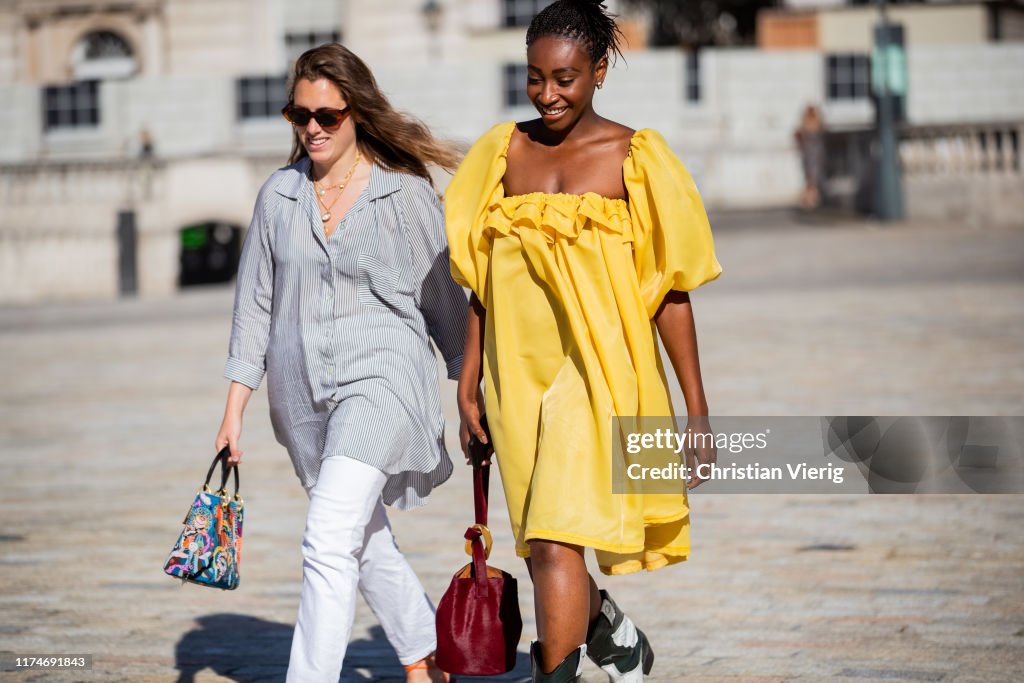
x: 393, y: 139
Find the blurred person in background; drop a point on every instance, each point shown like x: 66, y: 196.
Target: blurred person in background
x: 343, y: 277
x: 147, y: 149
x: 578, y: 236
x: 810, y: 142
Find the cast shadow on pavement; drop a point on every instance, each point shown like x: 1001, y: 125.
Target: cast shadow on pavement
x: 248, y: 650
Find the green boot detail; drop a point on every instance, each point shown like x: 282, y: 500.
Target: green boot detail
x: 569, y: 671
x: 616, y: 645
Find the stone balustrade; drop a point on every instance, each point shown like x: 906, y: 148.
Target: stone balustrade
x: 962, y: 149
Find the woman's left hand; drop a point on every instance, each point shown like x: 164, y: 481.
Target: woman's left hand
x: 702, y: 452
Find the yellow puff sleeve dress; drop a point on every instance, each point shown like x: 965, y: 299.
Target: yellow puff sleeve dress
x: 570, y: 284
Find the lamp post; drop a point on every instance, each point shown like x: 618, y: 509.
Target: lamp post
x: 887, y: 52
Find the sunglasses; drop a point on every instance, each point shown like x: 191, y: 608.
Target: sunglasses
x: 329, y: 119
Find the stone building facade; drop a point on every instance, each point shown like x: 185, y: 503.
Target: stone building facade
x: 164, y: 114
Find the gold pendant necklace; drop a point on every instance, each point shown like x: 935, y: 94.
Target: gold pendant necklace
x: 322, y: 190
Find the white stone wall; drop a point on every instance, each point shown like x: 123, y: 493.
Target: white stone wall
x: 756, y: 98
x: 57, y: 233
x: 966, y: 84
x: 312, y: 15
x: 397, y: 31
x: 8, y: 48
x: 226, y: 37
x: 458, y: 101
x: 20, y: 122
x: 750, y: 103
x: 58, y: 222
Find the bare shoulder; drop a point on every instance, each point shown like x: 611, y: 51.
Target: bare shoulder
x: 526, y: 132
x: 612, y: 138
x: 618, y: 132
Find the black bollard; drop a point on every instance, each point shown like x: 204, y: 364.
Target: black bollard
x: 127, y: 242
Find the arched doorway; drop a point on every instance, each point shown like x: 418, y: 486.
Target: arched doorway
x: 209, y: 253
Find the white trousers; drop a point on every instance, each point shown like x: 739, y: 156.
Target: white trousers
x: 348, y: 544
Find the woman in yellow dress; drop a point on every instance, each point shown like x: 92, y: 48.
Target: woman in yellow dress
x: 578, y: 237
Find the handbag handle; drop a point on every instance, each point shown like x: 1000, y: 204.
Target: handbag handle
x: 225, y: 469
x: 478, y: 453
x: 478, y: 536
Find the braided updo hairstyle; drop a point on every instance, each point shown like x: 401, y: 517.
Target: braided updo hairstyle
x: 585, y: 21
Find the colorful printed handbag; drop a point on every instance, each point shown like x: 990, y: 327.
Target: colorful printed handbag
x: 210, y: 546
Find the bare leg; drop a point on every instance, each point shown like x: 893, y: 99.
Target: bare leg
x: 565, y: 598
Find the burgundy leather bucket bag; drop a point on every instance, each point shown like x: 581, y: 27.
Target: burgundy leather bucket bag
x: 478, y: 620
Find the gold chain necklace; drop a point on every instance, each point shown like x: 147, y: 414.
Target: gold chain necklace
x: 322, y: 190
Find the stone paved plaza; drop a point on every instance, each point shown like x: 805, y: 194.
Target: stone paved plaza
x: 108, y: 412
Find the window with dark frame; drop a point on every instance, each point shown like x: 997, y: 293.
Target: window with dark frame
x: 515, y: 86
x: 521, y: 12
x: 693, y: 76
x: 260, y: 97
x: 72, y: 106
x: 297, y: 42
x: 847, y: 76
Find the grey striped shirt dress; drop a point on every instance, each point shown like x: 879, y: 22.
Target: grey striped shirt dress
x: 340, y: 327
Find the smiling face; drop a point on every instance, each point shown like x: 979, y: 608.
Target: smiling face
x: 325, y: 147
x: 561, y: 80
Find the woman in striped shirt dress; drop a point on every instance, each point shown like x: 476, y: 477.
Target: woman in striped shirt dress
x: 344, y: 276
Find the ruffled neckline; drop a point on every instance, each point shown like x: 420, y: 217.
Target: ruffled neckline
x: 558, y: 214
x: 567, y: 199
x: 565, y: 196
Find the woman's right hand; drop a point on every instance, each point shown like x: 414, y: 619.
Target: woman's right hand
x: 231, y: 426
x: 470, y: 403
x: 228, y: 435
